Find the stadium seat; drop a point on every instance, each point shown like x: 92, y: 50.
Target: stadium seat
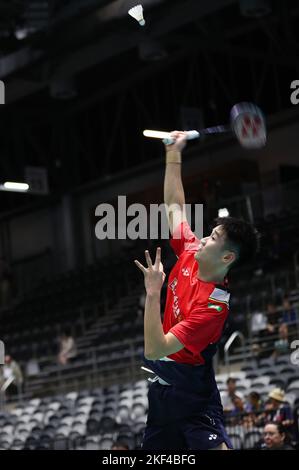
x: 65, y: 423
x: 243, y: 384
x: 61, y: 443
x: 127, y: 438
x: 4, y: 444
x: 288, y: 370
x: 251, y: 438
x: 108, y: 423
x: 123, y: 414
x: 35, y: 402
x: 139, y: 409
x: 279, y: 382
x: 55, y: 405
x: 251, y: 375
x: 106, y: 441
x: 266, y: 362
x: 290, y: 398
x: 293, y: 378
x: 139, y: 424
x: 282, y: 361
x: 92, y: 443
x: 293, y: 387
x: 261, y: 381
x: 236, y: 441
x: 238, y: 375
x: 85, y: 401
x: 72, y: 396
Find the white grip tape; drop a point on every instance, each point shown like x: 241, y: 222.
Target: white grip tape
x: 190, y: 135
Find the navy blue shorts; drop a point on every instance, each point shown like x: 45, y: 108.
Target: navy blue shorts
x: 202, y: 432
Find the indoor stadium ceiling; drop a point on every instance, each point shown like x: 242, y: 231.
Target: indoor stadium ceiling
x: 119, y: 76
x: 59, y: 40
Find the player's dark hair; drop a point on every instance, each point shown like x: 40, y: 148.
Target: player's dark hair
x: 241, y: 237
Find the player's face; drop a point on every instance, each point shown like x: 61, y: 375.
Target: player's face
x: 211, y: 248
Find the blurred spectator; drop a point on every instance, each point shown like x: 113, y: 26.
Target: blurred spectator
x: 275, y: 437
x: 288, y: 314
x: 258, y: 323
x: 281, y: 346
x: 119, y: 446
x: 11, y: 377
x: 229, y: 396
x: 32, y: 368
x: 239, y: 405
x: 253, y: 403
x: 253, y: 408
x: 262, y: 327
x: 67, y: 348
x: 277, y: 410
x: 235, y: 416
x: 261, y: 350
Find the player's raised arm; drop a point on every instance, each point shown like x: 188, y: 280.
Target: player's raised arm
x: 174, y: 195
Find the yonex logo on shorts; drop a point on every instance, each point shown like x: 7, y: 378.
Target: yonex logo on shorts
x: 212, y: 436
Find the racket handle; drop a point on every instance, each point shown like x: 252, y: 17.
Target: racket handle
x: 190, y: 135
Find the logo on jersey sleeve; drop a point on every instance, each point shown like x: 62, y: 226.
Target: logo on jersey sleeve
x: 220, y: 295
x: 216, y: 307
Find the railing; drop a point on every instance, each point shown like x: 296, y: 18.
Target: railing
x: 264, y: 347
x: 228, y: 344
x: 93, y: 369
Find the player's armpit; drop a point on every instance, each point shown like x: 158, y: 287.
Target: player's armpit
x: 170, y: 346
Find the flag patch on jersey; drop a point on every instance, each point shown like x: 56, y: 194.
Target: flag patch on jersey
x: 220, y: 296
x: 216, y: 307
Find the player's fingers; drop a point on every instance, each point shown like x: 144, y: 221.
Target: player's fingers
x: 158, y: 257
x: 174, y: 134
x: 181, y: 136
x: 140, y: 266
x: 148, y: 259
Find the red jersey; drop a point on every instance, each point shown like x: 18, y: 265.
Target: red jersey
x: 195, y: 310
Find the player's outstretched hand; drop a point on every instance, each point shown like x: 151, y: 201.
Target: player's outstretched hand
x: 154, y: 275
x: 180, y: 138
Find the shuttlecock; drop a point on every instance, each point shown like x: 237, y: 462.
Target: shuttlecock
x: 137, y: 13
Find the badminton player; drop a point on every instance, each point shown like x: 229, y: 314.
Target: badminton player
x: 185, y: 410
